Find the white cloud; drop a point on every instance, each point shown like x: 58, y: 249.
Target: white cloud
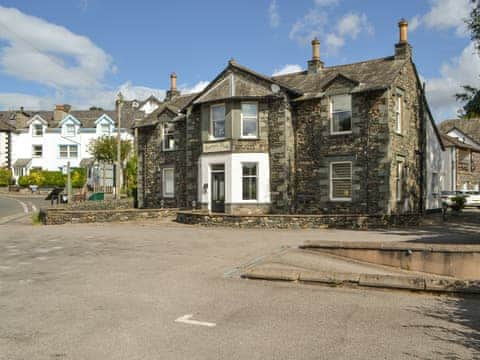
x: 311, y: 25
x: 441, y: 91
x: 49, y: 54
x: 83, y: 5
x: 273, y: 14
x: 199, y: 86
x: 349, y: 26
x: 445, y: 14
x: 287, y: 69
x: 326, y: 2
x: 414, y: 23
x: 11, y: 101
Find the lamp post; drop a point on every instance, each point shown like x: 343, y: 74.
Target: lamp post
x: 118, y: 173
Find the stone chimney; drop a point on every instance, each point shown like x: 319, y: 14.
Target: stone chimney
x: 403, y: 50
x: 315, y: 65
x: 60, y: 112
x: 173, y: 92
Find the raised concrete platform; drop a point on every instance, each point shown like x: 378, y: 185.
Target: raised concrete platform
x: 298, y: 265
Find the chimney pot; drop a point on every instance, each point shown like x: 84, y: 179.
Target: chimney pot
x: 315, y: 49
x: 173, y: 81
x: 315, y: 64
x: 403, y: 27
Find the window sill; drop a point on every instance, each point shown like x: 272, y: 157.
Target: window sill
x: 169, y: 150
x: 341, y: 199
x: 248, y: 138
x: 341, y: 133
x: 169, y: 196
x: 399, y: 134
x: 217, y: 139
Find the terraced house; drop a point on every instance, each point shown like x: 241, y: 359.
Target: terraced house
x: 331, y: 139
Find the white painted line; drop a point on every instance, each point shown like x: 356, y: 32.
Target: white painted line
x: 25, y: 207
x: 185, y: 319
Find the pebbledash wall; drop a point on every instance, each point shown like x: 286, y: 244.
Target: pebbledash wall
x: 295, y: 147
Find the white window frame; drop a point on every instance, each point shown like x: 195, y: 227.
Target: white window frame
x: 34, y: 126
x: 399, y: 111
x: 66, y: 133
x: 164, y: 193
x: 33, y: 150
x: 69, y: 152
x: 250, y: 176
x: 212, y: 135
x: 108, y: 132
x: 242, y: 118
x: 164, y: 134
x: 331, y: 180
x: 399, y: 179
x: 332, y: 132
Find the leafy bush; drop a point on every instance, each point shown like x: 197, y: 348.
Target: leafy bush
x: 5, y: 177
x: 458, y: 203
x: 54, y: 178
x: 79, y: 177
x: 24, y: 180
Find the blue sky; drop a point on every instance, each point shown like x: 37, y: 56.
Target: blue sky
x: 84, y: 51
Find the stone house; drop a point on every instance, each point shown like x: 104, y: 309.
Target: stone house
x: 331, y: 139
x: 462, y: 141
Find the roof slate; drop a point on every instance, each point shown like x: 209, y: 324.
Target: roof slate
x: 470, y: 127
x: 449, y: 141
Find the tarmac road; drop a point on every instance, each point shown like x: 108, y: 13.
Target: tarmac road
x: 114, y: 291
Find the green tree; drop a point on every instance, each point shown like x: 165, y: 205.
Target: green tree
x: 104, y: 149
x: 471, y: 95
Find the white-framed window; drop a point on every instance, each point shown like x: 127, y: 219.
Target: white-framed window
x: 217, y: 121
x: 399, y: 176
x: 69, y: 129
x: 168, y: 137
x: 249, y: 181
x: 37, y: 151
x: 341, y: 181
x: 104, y: 129
x: 168, y: 182
x: 37, y: 130
x: 249, y: 121
x: 68, y: 151
x: 399, y: 113
x: 340, y: 114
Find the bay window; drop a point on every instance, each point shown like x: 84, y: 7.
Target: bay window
x: 249, y: 181
x: 217, y: 125
x: 249, y: 120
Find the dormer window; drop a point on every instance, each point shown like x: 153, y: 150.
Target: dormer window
x: 341, y: 114
x: 37, y: 129
x: 168, y: 137
x: 104, y: 129
x: 70, y: 130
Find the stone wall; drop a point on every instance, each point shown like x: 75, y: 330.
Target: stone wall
x: 58, y: 216
x: 347, y: 221
x: 471, y: 176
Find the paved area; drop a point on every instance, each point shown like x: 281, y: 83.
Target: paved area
x: 114, y: 291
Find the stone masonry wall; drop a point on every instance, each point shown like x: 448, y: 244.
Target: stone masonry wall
x: 471, y: 177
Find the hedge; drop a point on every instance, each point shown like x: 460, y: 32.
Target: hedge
x: 5, y: 177
x: 44, y: 178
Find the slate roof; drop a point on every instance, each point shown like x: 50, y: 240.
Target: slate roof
x: 17, y: 120
x: 22, y: 162
x: 367, y: 75
x: 449, y: 141
x: 470, y: 127
x: 5, y: 125
x: 175, y: 105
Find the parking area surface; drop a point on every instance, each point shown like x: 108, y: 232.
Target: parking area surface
x: 114, y: 291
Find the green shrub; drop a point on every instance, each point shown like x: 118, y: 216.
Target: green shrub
x: 24, y: 180
x: 79, y: 177
x: 5, y: 177
x: 54, y: 179
x: 458, y: 202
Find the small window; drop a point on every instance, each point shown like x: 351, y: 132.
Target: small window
x: 68, y: 151
x: 168, y: 182
x: 217, y: 121
x: 341, y: 181
x: 37, y: 151
x: 168, y: 137
x: 341, y: 114
x: 37, y: 130
x: 249, y: 120
x: 399, y: 114
x: 249, y: 181
x: 69, y: 130
x: 105, y: 129
x: 399, y: 174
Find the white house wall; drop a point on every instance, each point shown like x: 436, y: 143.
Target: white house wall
x: 3, y: 149
x: 434, y: 165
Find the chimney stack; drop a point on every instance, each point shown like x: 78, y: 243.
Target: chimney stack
x: 315, y: 65
x: 173, y: 92
x: 61, y: 111
x: 403, y: 50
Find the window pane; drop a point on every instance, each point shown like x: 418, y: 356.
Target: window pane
x: 63, y: 151
x: 342, y: 188
x: 342, y: 170
x: 250, y: 188
x: 219, y: 129
x: 249, y: 127
x: 73, y: 151
x: 168, y: 182
x: 218, y: 112
x: 342, y: 121
x: 249, y: 170
x: 249, y: 110
x: 341, y: 103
